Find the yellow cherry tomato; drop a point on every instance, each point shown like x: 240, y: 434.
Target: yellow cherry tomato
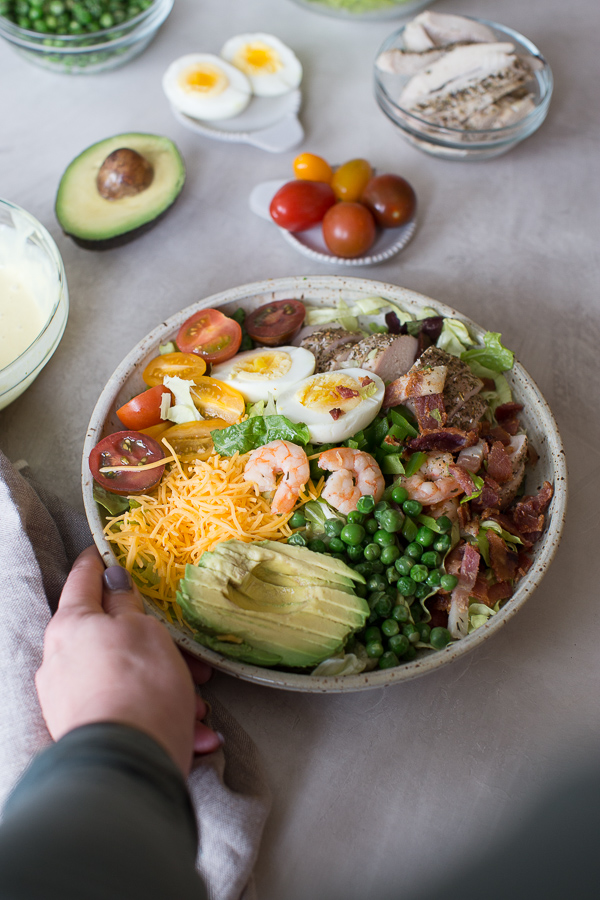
x: 216, y: 399
x: 192, y: 439
x: 309, y: 167
x: 350, y: 180
x: 156, y: 431
x: 183, y: 365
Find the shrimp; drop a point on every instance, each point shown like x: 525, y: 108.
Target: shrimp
x: 432, y: 483
x: 279, y: 456
x: 354, y: 474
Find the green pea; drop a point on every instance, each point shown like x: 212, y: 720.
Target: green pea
x: 376, y: 583
x: 23, y: 22
x: 404, y: 565
x: 415, y: 611
x: 390, y: 554
x: 410, y: 653
x: 297, y: 540
x: 354, y: 553
x: 433, y: 580
x: 411, y: 632
x: 414, y: 550
x: 400, y: 613
x: 372, y: 551
x: 389, y: 660
x: 383, y: 607
x: 443, y: 543
x: 365, y: 504
x: 391, y: 574
x: 364, y: 569
x: 106, y: 20
x: 422, y: 590
x: 317, y: 546
x: 439, y: 638
x: 336, y: 546
x: 377, y: 567
x: 372, y: 525
x: 352, y: 534
x: 431, y: 559
x: 412, y: 507
x: 374, y: 598
x: 384, y: 538
x: 372, y: 634
x: 380, y: 507
x: 425, y: 632
x: 360, y: 590
x: 51, y: 22
x: 390, y: 627
x: 296, y: 520
x: 399, y: 494
x: 374, y: 649
x: 391, y: 520
x: 425, y: 536
x: 56, y: 7
x: 355, y: 517
x: 406, y: 586
x: 399, y: 644
x: 448, y: 582
x: 444, y: 524
x: 333, y: 527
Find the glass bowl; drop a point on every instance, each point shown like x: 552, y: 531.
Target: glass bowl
x: 365, y: 10
x: 27, y: 246
x: 86, y: 54
x: 456, y: 143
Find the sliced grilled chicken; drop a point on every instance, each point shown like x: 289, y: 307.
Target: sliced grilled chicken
x: 325, y: 342
x: 387, y: 355
x: 517, y: 450
x: 431, y: 29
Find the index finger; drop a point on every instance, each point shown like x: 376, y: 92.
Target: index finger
x: 83, y: 588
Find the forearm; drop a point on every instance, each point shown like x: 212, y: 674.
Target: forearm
x: 104, y: 813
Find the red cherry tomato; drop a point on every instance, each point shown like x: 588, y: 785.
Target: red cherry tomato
x: 211, y: 335
x: 348, y: 229
x: 275, y: 323
x: 144, y: 410
x: 391, y: 199
x: 126, y: 448
x: 299, y: 205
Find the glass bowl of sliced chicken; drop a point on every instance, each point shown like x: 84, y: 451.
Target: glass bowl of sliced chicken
x: 462, y: 88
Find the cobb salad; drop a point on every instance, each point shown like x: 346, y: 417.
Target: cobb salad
x: 329, y: 490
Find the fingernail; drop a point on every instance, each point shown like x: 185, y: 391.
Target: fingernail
x: 221, y: 738
x: 116, y: 578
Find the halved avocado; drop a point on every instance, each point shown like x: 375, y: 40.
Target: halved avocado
x: 97, y: 223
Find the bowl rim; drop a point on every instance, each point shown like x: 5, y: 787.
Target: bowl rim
x: 152, y: 17
x: 398, y: 9
x: 440, y: 131
x: 299, y: 285
x: 51, y: 248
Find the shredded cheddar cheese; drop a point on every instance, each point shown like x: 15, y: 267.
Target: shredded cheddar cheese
x: 190, y: 511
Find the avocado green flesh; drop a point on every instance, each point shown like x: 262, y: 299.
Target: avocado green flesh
x: 240, y: 590
x: 91, y: 219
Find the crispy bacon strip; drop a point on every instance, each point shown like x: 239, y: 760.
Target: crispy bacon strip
x: 463, y: 477
x: 459, y: 603
x: 445, y: 439
x: 528, y: 514
x: 335, y: 413
x: 504, y: 562
x: 489, y: 497
x: 499, y: 464
x: 430, y: 412
x: 345, y: 393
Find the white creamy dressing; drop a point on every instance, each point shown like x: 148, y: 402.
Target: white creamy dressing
x: 28, y: 289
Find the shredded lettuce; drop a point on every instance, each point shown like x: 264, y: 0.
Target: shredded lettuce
x: 347, y: 316
x: 501, y: 394
x: 479, y: 614
x: 454, y: 337
x: 489, y: 524
x: 493, y: 355
x: 170, y: 347
x: 348, y: 664
x: 316, y: 513
x: 183, y: 410
x: 256, y: 432
x: 478, y: 482
x: 426, y: 313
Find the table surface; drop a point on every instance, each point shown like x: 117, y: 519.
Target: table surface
x: 396, y: 784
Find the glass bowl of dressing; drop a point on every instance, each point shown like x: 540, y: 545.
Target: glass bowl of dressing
x: 34, y: 300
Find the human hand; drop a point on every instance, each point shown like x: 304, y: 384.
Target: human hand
x: 106, y: 661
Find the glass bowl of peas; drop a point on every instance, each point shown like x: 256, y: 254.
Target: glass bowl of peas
x: 81, y: 36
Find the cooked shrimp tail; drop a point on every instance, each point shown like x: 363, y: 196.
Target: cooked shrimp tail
x: 354, y: 475
x: 267, y: 462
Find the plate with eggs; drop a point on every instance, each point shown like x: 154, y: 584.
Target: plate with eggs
x: 249, y: 93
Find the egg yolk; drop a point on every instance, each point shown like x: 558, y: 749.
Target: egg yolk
x: 257, y: 58
x: 263, y: 365
x: 330, y: 391
x: 205, y: 79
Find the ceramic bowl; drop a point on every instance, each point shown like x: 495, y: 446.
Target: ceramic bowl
x: 323, y: 291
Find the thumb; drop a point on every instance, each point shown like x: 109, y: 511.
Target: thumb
x: 120, y: 594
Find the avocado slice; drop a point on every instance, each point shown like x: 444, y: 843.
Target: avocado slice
x: 97, y: 223
x: 297, y: 608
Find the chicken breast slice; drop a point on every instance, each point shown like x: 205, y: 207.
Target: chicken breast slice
x: 431, y: 29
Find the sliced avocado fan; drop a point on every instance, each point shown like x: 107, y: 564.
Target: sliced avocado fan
x: 270, y: 603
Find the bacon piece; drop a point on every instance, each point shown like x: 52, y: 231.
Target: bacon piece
x: 335, y: 413
x: 425, y: 410
x: 445, y: 439
x: 345, y: 393
x: 463, y: 477
x: 489, y: 497
x: 464, y: 515
x: 366, y: 381
x: 532, y: 454
x: 458, y: 619
x: 528, y: 514
x: 498, y: 433
x: 504, y: 562
x: 525, y: 563
x: 507, y: 411
x: 500, y: 591
x: 499, y: 463
x: 453, y: 561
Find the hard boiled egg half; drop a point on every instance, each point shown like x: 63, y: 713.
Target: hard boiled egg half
x: 271, y: 67
x: 334, y: 405
x: 258, y: 373
x: 204, y: 86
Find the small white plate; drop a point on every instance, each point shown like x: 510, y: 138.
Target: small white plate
x: 270, y: 123
x: 388, y: 242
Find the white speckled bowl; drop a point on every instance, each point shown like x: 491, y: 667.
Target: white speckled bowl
x: 321, y: 291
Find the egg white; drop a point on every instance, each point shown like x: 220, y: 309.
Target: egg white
x: 204, y: 86
x: 314, y: 410
x: 271, y: 67
x: 266, y: 370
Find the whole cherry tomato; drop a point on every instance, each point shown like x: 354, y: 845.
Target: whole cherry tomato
x: 299, y: 205
x: 391, y: 199
x: 130, y: 449
x: 211, y: 335
x: 143, y: 411
x: 350, y: 179
x: 309, y: 167
x: 348, y: 229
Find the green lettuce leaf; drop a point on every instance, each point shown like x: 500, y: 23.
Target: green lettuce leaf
x: 257, y: 431
x: 115, y: 504
x: 454, y: 337
x: 493, y: 355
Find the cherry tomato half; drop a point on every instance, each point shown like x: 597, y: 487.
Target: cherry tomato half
x: 350, y: 179
x: 349, y: 229
x: 183, y: 365
x: 211, y: 335
x: 309, y: 167
x: 275, y: 324
x: 192, y: 439
x: 391, y: 199
x: 143, y: 411
x: 299, y: 205
x: 215, y: 399
x: 126, y: 448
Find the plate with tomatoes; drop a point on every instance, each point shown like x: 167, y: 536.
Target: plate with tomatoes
x: 347, y: 216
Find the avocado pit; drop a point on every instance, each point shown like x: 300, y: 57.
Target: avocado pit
x: 124, y: 173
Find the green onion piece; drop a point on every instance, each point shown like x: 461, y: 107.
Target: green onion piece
x: 415, y: 463
x: 392, y: 465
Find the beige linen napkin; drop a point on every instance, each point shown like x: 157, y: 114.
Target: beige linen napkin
x: 40, y: 537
